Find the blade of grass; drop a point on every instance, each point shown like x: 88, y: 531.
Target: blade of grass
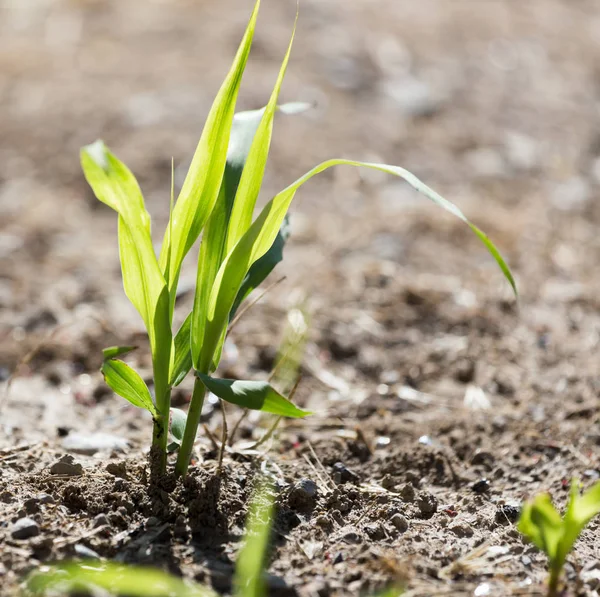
x: 249, y: 571
x: 237, y: 218
x: 203, y: 181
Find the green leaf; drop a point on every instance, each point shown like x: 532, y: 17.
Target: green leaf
x: 114, y: 185
x: 182, y: 358
x: 261, y: 268
x: 263, y: 231
x: 66, y: 579
x: 545, y: 524
x: 256, y: 162
x: 112, y: 352
x: 178, y: 419
x: 126, y: 382
x: 233, y: 214
x: 212, y: 248
x: 580, y: 511
x: 249, y: 578
x: 203, y: 181
x: 256, y: 395
x: 144, y: 284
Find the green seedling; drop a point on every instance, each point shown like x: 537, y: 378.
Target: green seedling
x: 217, y: 200
x: 542, y: 524
x: 134, y: 581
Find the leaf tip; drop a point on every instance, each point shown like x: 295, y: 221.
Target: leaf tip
x: 97, y: 152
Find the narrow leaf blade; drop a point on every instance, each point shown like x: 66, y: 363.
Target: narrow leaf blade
x: 252, y: 175
x: 202, y: 183
x: 249, y: 571
x: 112, y: 352
x: 127, y: 383
x: 114, y: 184
x: 182, y: 358
x: 256, y: 395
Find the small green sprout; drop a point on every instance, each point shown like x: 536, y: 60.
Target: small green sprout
x: 237, y: 253
x: 542, y: 524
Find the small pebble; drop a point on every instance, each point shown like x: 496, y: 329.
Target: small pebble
x: 342, y: 474
x: 303, y: 494
x: 388, y: 482
x: 117, y: 469
x: 66, y: 466
x: 152, y: 521
x: 481, y: 486
x: 85, y: 552
x: 400, y: 522
x: 350, y: 534
x: 507, y: 513
x: 375, y: 531
x: 25, y: 528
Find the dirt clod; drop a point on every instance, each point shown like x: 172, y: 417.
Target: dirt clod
x: 67, y: 466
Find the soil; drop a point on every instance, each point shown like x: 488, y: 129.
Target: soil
x: 441, y: 402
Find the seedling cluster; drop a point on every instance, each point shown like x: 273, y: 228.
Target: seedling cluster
x: 236, y: 254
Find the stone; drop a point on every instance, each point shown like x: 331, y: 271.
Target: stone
x: 66, y: 466
x: 400, y: 522
x: 90, y: 443
x: 303, y: 494
x: 25, y: 528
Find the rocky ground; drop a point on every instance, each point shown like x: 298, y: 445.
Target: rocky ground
x: 441, y: 403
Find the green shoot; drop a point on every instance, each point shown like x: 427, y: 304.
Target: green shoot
x: 216, y: 202
x: 541, y: 523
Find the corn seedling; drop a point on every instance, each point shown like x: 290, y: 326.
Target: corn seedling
x: 236, y: 254
x: 542, y: 524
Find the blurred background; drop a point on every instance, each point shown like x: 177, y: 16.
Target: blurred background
x: 495, y: 104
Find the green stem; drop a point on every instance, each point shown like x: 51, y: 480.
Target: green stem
x: 160, y: 434
x: 553, y: 581
x: 191, y: 428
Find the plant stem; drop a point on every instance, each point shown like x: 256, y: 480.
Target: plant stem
x: 223, y: 439
x: 191, y: 428
x: 160, y: 435
x: 553, y: 581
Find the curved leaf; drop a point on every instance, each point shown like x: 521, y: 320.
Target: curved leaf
x: 262, y: 267
x: 256, y: 395
x: 145, y: 286
x: 127, y: 383
x: 178, y: 419
x: 263, y: 231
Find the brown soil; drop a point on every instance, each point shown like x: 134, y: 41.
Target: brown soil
x: 441, y: 404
